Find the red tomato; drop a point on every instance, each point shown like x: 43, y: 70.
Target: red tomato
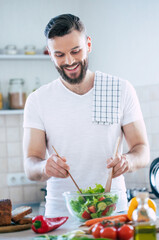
x: 107, y: 209
x: 101, y: 198
x: 96, y: 230
x: 108, y: 232
x: 125, y: 232
x: 92, y: 209
x: 86, y: 215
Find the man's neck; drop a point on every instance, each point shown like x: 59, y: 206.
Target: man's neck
x: 82, y: 87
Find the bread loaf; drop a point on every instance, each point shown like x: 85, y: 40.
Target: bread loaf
x: 19, y: 213
x: 5, y: 212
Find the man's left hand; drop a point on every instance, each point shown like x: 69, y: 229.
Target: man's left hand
x: 120, y: 165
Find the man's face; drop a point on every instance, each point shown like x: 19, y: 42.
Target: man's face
x: 70, y: 55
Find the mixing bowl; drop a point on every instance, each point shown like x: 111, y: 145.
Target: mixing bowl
x: 91, y: 205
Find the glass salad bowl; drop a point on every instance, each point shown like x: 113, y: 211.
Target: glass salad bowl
x: 91, y: 204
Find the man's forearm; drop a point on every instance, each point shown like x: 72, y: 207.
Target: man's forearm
x: 138, y: 157
x: 34, y: 169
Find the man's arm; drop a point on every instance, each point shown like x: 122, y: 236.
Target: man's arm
x: 35, y: 165
x: 136, y: 137
x: 139, y: 153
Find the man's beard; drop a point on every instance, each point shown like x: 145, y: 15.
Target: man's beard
x: 79, y: 79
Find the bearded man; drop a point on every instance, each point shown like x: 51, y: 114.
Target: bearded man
x: 81, y: 114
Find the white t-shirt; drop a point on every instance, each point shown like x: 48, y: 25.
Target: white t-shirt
x: 66, y: 118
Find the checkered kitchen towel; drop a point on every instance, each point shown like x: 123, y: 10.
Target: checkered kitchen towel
x: 106, y: 99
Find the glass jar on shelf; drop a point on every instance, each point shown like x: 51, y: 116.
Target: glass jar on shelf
x: 17, y: 94
x: 30, y: 50
x: 144, y: 219
x: 11, y: 49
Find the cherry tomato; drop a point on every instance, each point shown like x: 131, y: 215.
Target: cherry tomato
x: 101, y: 198
x: 92, y: 209
x: 96, y: 230
x: 86, y: 215
x: 108, y: 232
x: 125, y: 232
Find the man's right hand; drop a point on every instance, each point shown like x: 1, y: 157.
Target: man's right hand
x: 56, y: 167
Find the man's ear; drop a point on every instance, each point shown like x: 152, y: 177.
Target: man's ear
x: 49, y: 53
x: 89, y: 44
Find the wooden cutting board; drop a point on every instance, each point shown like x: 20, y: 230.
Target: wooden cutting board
x: 14, y: 227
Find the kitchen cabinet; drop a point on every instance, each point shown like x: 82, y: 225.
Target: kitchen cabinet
x: 20, y: 57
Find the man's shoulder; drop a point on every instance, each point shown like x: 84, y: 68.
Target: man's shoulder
x: 44, y: 91
x: 48, y: 86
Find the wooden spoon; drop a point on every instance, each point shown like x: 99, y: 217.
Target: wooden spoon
x: 109, y: 179
x: 70, y: 174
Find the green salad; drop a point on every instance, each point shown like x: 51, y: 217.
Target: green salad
x: 97, y: 205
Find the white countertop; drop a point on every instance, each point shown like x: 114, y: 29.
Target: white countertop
x: 70, y: 225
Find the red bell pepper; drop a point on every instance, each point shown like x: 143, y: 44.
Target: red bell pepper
x: 41, y: 224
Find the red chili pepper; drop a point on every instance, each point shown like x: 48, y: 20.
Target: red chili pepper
x: 41, y: 224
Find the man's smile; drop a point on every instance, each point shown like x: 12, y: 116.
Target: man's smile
x: 72, y: 68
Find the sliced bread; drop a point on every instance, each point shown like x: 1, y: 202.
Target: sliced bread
x: 25, y: 220
x: 19, y: 213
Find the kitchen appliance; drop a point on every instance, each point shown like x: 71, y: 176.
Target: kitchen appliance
x: 154, y: 177
x: 131, y: 193
x: 154, y: 182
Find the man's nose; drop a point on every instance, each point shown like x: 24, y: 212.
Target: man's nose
x: 69, y: 59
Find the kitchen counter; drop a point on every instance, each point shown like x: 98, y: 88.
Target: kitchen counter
x: 70, y: 225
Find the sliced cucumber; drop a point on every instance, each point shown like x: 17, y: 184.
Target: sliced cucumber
x: 108, y: 201
x: 101, y: 206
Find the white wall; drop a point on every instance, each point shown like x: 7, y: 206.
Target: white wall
x: 125, y: 36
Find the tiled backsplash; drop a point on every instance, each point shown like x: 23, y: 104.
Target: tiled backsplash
x: 11, y: 161
x: 11, y: 156
x: 149, y: 101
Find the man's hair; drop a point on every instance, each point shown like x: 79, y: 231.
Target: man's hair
x: 62, y: 25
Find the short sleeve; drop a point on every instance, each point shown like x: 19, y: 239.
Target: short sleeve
x: 32, y: 114
x: 131, y: 106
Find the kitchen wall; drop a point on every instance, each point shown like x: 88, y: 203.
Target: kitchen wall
x: 124, y: 34
x: 149, y: 100
x: 11, y: 161
x: 125, y: 40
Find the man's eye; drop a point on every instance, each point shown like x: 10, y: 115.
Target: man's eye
x: 59, y: 55
x: 76, y: 51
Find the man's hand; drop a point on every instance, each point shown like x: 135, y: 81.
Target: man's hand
x: 56, y: 167
x: 138, y: 155
x: 120, y: 165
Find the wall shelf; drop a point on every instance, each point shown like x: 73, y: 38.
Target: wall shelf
x: 11, y: 112
x: 24, y: 57
x: 15, y: 57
